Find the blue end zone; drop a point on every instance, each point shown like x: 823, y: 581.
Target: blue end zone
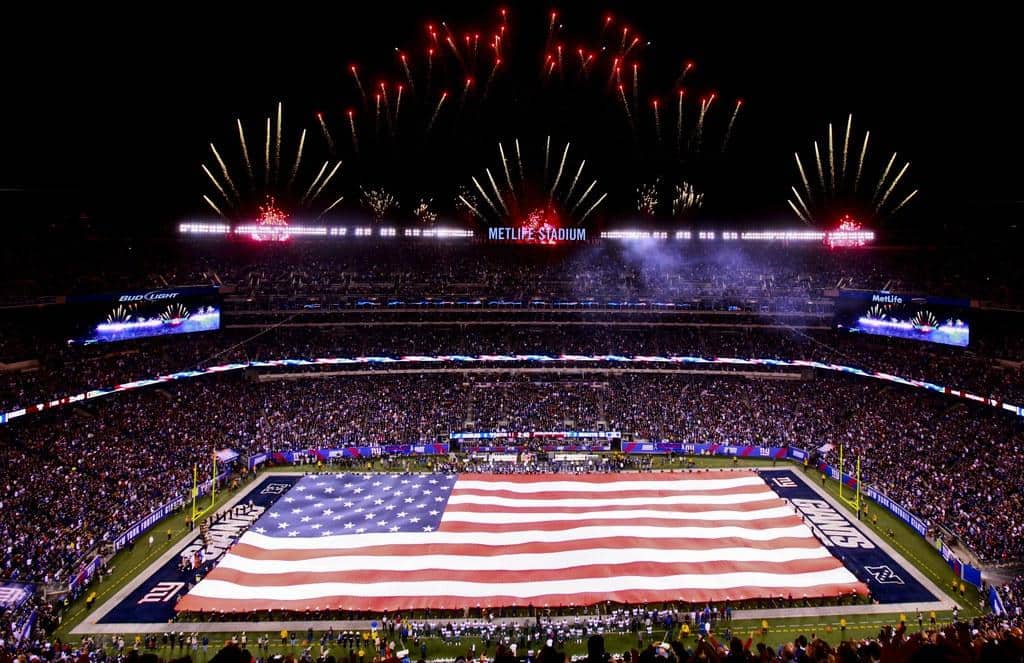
x: 888, y: 580
x: 153, y: 601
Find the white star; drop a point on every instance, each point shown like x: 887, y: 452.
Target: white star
x: 348, y: 485
x: 306, y: 519
x: 319, y: 483
x: 289, y: 499
x: 318, y: 505
x: 409, y: 500
x: 368, y: 496
x: 296, y: 510
x: 405, y: 481
x: 337, y: 517
x: 371, y: 516
x: 378, y: 501
x: 359, y: 510
x: 357, y: 490
x: 327, y: 512
x: 434, y: 512
x: 315, y: 525
x: 310, y: 497
x: 433, y: 481
x: 427, y: 492
x: 394, y: 529
x: 439, y: 499
x: 349, y: 505
x: 282, y: 526
x: 293, y: 533
x: 428, y: 528
x: 402, y: 514
x: 275, y: 514
x: 360, y: 530
x: 398, y: 493
x: 376, y: 483
x: 414, y: 520
x: 382, y: 523
x: 420, y: 506
x: 260, y: 530
x: 300, y: 488
x: 349, y: 525
x: 415, y: 485
x: 328, y: 490
x: 390, y: 507
x: 326, y: 533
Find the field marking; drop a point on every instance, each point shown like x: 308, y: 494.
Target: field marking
x: 942, y: 600
x: 89, y: 625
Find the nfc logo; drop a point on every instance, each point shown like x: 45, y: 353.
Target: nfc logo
x: 162, y: 592
x: 884, y: 575
x: 275, y: 489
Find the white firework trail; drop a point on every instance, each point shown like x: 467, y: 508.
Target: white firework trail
x: 561, y: 168
x: 298, y: 160
x: 497, y: 192
x: 245, y: 150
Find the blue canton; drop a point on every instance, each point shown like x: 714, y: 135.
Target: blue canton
x: 338, y: 504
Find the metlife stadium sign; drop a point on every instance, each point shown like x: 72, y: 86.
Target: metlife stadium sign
x: 536, y: 235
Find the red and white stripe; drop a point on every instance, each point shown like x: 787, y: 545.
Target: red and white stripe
x: 546, y: 541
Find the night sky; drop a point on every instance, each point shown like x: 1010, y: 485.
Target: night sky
x: 110, y: 114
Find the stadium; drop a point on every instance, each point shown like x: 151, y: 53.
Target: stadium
x: 519, y: 334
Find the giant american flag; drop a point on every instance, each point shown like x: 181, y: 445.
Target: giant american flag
x: 391, y: 542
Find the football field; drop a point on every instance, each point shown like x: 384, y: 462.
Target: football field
x: 147, y: 600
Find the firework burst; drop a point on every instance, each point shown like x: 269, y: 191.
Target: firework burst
x: 545, y: 195
x: 843, y: 183
x: 242, y: 186
x: 657, y: 199
x: 121, y: 314
x: 379, y: 202
x: 175, y: 313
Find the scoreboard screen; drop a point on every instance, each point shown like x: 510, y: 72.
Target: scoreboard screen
x: 930, y: 319
x: 130, y: 315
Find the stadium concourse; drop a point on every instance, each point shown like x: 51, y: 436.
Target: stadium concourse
x: 96, y: 467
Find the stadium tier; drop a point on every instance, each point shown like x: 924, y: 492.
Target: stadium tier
x: 519, y: 334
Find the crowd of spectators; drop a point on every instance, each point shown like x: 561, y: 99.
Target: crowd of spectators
x: 97, y: 467
x: 434, y: 268
x: 977, y: 641
x: 62, y: 371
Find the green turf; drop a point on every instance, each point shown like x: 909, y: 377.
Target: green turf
x: 126, y: 564
x: 912, y: 547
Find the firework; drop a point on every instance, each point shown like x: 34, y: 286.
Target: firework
x: 685, y: 199
x: 653, y: 198
x: 647, y: 198
x: 544, y: 201
x: 355, y: 137
x: 424, y: 212
x: 837, y: 193
x: 359, y: 84
x: 121, y: 314
x: 323, y: 129
x: 732, y: 124
x: 245, y: 149
x: 241, y: 192
x: 379, y: 202
x: 437, y: 111
x: 175, y: 313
